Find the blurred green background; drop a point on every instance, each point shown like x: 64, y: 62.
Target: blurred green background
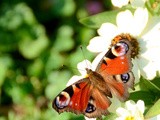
x: 37, y: 37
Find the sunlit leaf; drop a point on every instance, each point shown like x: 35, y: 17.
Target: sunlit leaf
x: 96, y: 21
x: 64, y: 41
x: 32, y: 48
x: 35, y: 68
x: 153, y: 6
x: 154, y: 110
x: 149, y: 86
x: 55, y: 61
x: 57, y: 82
x: 111, y: 116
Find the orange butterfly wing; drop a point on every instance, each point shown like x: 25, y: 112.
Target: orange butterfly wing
x: 115, y: 67
x: 74, y: 98
x: 89, y: 96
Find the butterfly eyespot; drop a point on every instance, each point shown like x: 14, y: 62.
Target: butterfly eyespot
x: 120, y: 49
x: 90, y: 108
x: 125, y: 77
x: 62, y: 100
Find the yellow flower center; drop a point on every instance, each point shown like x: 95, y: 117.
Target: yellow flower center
x: 129, y: 118
x: 133, y: 41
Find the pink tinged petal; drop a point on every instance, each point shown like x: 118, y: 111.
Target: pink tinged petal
x: 119, y: 3
x: 73, y: 80
x: 136, y: 70
x: 140, y: 21
x: 83, y: 65
x: 98, y: 44
x: 108, y: 30
x: 124, y: 21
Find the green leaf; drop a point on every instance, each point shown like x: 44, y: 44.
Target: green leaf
x: 149, y: 86
x: 111, y: 116
x: 64, y: 40
x: 5, y: 63
x: 154, y: 110
x: 35, y: 68
x: 95, y: 21
x: 32, y: 47
x: 156, y: 81
x: 55, y: 61
x: 57, y: 82
x: 153, y: 7
x: 146, y: 96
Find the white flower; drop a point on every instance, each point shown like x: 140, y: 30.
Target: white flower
x: 131, y: 111
x: 134, y: 3
x: 145, y: 29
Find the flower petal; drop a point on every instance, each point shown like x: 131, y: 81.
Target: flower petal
x: 136, y: 70
x: 151, y: 34
x: 108, y: 30
x: 140, y: 21
x: 86, y: 118
x: 122, y: 112
x: 140, y: 105
x: 147, y: 68
x: 130, y: 105
x: 83, y: 65
x: 119, y: 3
x: 98, y: 59
x: 125, y: 21
x: 74, y: 79
x: 98, y: 44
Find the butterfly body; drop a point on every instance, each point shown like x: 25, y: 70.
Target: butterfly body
x: 90, y: 95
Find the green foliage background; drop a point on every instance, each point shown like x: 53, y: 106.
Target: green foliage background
x: 37, y: 37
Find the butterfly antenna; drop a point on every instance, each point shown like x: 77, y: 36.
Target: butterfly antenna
x: 65, y: 66
x: 84, y: 56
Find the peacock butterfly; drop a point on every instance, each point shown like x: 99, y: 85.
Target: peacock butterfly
x: 90, y: 95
